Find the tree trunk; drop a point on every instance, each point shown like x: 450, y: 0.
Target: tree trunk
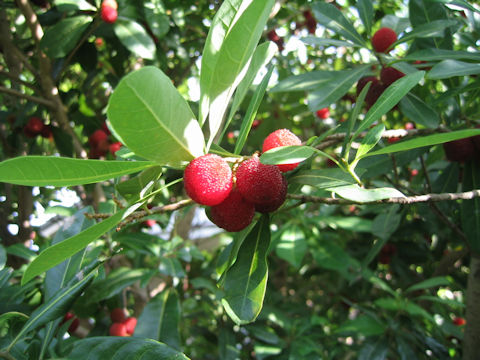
x: 471, y: 341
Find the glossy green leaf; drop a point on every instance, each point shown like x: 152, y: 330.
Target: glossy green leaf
x: 160, y: 319
x: 287, y: 154
x: 329, y: 255
x: 370, y: 140
x: 246, y: 281
x: 442, y: 54
x: 62, y: 37
x: 292, y: 246
x: 134, y: 37
x: 387, y: 222
x: 351, y: 223
x: 470, y: 209
x: 432, y: 29
x: 428, y: 140
x: 373, y: 252
x: 429, y: 283
x: 252, y: 111
x: 57, y: 171
x: 303, y: 82
x: 405, y: 348
x: 361, y: 195
x: 332, y: 18
x: 418, y: 111
x: 6, y: 317
x: 139, y: 184
x: 57, y: 253
x: 231, y: 42
x: 156, y: 18
x: 322, y: 178
x: 331, y: 91
x: 365, y: 10
x: 461, y: 3
x: 374, y: 349
x: 450, y: 68
x: 227, y: 349
x: 171, y: 267
x: 117, y: 280
x: 390, y: 97
x: 361, y: 325
x: 3, y: 257
x: 21, y: 251
x: 160, y: 128
x: 315, y: 41
x: 58, y: 305
x: 73, y: 5
x: 123, y: 348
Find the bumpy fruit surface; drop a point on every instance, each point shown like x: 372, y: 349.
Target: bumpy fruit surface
x: 208, y: 179
x: 389, y: 75
x: 234, y: 213
x: 118, y: 329
x: 364, y: 81
x: 383, y: 39
x: 97, y: 137
x: 374, y: 93
x: 276, y: 203
x: 281, y: 137
x: 118, y: 315
x: 459, y: 150
x: 130, y: 324
x: 109, y: 14
x: 259, y: 183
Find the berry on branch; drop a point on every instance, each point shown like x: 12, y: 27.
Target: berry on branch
x: 383, y: 39
x: 234, y: 213
x: 278, y: 138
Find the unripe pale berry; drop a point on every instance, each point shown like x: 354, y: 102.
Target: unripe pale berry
x: 389, y: 75
x: 278, y: 138
x: 383, y: 39
x: 208, y: 179
x: 234, y: 213
x: 130, y: 324
x: 259, y: 183
x: 118, y: 329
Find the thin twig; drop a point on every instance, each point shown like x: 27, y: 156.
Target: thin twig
x: 21, y: 95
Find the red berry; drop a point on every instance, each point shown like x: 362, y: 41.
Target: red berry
x: 374, y: 93
x: 110, y: 3
x: 46, y: 132
x: 234, y: 213
x: 392, y: 140
x: 99, y: 42
x: 323, y: 113
x: 389, y: 75
x: 459, y: 321
x: 364, y: 81
x: 118, y: 329
x: 115, y: 147
x: 459, y: 150
x: 278, y: 138
x: 409, y: 126
x: 118, y: 315
x: 130, y: 325
x: 276, y: 203
x: 413, y: 172
x: 273, y: 36
x: 208, y: 179
x: 97, y: 136
x: 74, y: 325
x: 149, y: 222
x: 383, y: 39
x: 109, y: 14
x: 34, y: 127
x: 310, y: 22
x: 256, y: 123
x: 259, y: 183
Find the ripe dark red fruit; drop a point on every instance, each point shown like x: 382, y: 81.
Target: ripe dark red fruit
x: 389, y: 75
x: 108, y: 11
x: 459, y: 321
x: 234, y: 213
x: 383, y: 39
x: 130, y: 324
x: 75, y: 322
x: 310, y: 22
x: 208, y: 179
x: 114, y: 147
x: 364, y: 81
x: 118, y: 315
x: 46, y: 132
x: 259, y: 183
x: 276, y: 203
x: 374, y: 93
x: 33, y: 127
x: 323, y: 113
x: 97, y: 136
x: 278, y: 138
x: 118, y: 329
x: 459, y: 150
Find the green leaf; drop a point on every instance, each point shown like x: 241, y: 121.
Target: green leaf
x: 123, y: 348
x: 231, y: 42
x: 160, y: 319
x: 432, y: 29
x: 361, y: 195
x: 303, y: 82
x: 390, y: 97
x: 246, y: 281
x: 450, y: 68
x: 322, y: 178
x: 73, y: 5
x: 365, y: 10
x: 361, y: 325
x: 156, y: 18
x: 135, y: 38
x: 332, y: 90
x: 62, y: 37
x: 58, y: 305
x: 6, y: 317
x: 374, y: 349
x: 351, y: 223
x: 3, y: 257
x: 140, y: 184
x: 292, y: 246
x: 386, y: 223
x: 374, y: 250
x: 442, y: 54
x: 22, y: 251
x: 423, y: 141
x: 315, y: 41
x: 114, y: 283
x: 57, y: 171
x: 418, y: 111
x: 470, y: 209
x: 429, y: 283
x: 332, y: 18
x: 159, y: 128
x: 57, y: 253
x: 252, y: 111
x: 370, y: 140
x: 329, y: 255
x: 405, y: 349
x: 460, y: 3
x: 287, y: 154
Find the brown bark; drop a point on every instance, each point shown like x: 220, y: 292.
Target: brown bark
x: 471, y: 340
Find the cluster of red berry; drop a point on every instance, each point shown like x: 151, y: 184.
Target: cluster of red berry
x: 100, y: 143
x: 35, y: 126
x: 235, y: 194
x: 74, y: 324
x: 122, y: 325
x: 108, y: 11
x: 310, y: 22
